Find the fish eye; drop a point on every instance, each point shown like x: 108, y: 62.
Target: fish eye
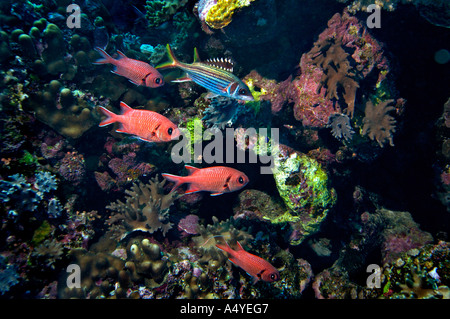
x: 157, y: 80
x: 241, y: 180
x: 242, y: 91
x: 170, y: 131
x: 273, y: 276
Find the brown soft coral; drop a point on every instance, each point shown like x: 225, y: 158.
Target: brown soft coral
x: 337, y: 71
x: 146, y: 209
x: 378, y: 124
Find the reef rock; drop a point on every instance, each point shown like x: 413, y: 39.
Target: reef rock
x: 305, y: 189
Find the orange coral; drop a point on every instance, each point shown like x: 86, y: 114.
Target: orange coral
x: 378, y: 124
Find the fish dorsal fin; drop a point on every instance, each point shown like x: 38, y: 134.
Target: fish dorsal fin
x: 196, y: 56
x: 191, y: 169
x: 223, y: 64
x: 239, y: 247
x: 125, y: 108
x: 121, y: 55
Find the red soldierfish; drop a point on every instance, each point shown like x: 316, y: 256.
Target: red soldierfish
x: 255, y: 266
x: 217, y: 180
x: 137, y: 72
x: 147, y: 125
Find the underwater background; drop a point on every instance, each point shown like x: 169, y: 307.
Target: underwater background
x: 357, y: 204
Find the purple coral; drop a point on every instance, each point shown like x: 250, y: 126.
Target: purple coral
x: 72, y: 168
x: 189, y: 224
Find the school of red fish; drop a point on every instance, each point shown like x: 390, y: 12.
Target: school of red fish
x: 153, y: 127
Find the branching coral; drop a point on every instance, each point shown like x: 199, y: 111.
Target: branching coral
x: 146, y: 208
x: 48, y: 252
x: 378, y: 124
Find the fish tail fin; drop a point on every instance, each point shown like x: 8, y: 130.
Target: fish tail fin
x: 239, y: 246
x: 106, y: 58
x: 111, y: 117
x: 172, y: 63
x: 178, y: 180
x: 225, y: 247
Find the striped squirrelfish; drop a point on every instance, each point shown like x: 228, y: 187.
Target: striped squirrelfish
x: 255, y: 266
x: 214, y: 75
x: 217, y: 180
x: 137, y: 72
x: 148, y: 126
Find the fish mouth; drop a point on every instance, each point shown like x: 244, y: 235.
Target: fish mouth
x: 246, y: 98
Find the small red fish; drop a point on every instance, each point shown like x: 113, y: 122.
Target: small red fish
x: 137, y: 72
x: 217, y: 180
x: 149, y: 126
x: 255, y: 266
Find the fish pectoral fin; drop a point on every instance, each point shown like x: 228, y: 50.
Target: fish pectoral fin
x: 183, y: 79
x: 210, y: 95
x: 145, y: 140
x: 135, y: 83
x: 258, y: 276
x: 216, y: 194
x: 226, y: 186
x: 121, y: 129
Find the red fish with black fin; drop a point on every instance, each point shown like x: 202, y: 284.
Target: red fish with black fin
x: 149, y: 126
x: 258, y: 268
x: 217, y: 180
x: 137, y: 72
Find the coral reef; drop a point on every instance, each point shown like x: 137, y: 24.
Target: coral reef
x: 217, y: 14
x: 8, y: 276
x: 160, y: 11
x: 344, y: 54
x: 124, y: 165
x: 146, y: 209
x: 146, y: 263
x: 223, y: 112
x: 209, y: 236
x: 304, y: 187
x: 99, y: 272
x: 72, y: 168
x: 436, y: 12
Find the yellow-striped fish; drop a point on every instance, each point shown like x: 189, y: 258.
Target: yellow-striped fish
x: 214, y: 75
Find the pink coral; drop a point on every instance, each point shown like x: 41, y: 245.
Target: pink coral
x: 189, y: 224
x: 72, y: 168
x: 330, y: 75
